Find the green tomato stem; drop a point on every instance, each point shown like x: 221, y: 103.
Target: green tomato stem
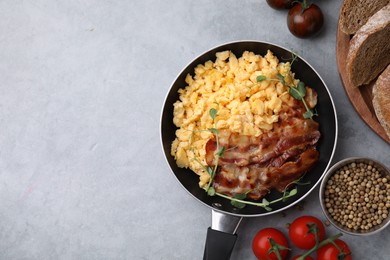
x: 305, y: 4
x: 274, y: 248
x: 322, y: 243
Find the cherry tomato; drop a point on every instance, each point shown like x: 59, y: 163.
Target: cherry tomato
x: 330, y: 252
x: 306, y: 258
x: 305, y: 20
x: 299, y: 232
x: 261, y: 244
x: 280, y: 4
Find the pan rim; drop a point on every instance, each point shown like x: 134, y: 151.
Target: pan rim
x: 290, y: 204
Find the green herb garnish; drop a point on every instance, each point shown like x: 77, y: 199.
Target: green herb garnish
x: 296, y: 91
x: 239, y: 201
x: 261, y: 78
x: 213, y: 113
x: 220, y: 151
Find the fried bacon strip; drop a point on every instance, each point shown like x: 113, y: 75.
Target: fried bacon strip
x: 270, y: 161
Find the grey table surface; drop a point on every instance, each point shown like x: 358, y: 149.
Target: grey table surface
x: 82, y: 84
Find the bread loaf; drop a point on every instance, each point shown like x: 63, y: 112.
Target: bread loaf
x: 355, y: 13
x: 369, y: 51
x: 381, y: 99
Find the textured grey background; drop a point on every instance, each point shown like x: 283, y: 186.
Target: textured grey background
x: 82, y: 83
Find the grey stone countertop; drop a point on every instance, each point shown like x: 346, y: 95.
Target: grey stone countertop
x: 82, y: 84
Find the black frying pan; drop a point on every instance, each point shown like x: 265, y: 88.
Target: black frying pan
x: 219, y: 244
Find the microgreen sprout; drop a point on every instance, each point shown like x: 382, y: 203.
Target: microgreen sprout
x: 219, y: 153
x: 296, y: 91
x: 239, y: 201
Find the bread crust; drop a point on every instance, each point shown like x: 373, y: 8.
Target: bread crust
x: 381, y: 99
x: 355, y: 13
x: 369, y: 51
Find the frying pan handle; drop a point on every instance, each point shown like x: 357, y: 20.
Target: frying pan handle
x: 221, y: 236
x: 219, y: 245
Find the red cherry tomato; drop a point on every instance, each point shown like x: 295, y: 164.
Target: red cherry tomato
x: 299, y: 232
x: 304, y: 21
x: 261, y: 244
x: 280, y: 4
x: 306, y: 258
x: 330, y: 252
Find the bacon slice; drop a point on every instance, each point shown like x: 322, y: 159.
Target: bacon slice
x: 272, y: 160
x: 232, y: 179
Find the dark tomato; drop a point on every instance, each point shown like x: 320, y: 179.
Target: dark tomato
x: 330, y: 252
x: 304, y: 21
x: 280, y: 4
x: 306, y: 258
x: 261, y: 244
x: 299, y: 232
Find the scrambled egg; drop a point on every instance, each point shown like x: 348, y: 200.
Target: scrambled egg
x: 244, y: 105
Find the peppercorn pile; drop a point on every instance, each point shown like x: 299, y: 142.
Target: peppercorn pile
x: 357, y: 196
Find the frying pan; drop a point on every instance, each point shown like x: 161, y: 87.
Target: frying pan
x: 221, y: 235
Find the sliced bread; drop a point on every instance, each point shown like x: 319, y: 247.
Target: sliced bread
x: 381, y: 99
x: 355, y: 13
x: 369, y: 51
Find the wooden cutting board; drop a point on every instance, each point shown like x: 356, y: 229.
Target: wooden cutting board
x: 361, y: 98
